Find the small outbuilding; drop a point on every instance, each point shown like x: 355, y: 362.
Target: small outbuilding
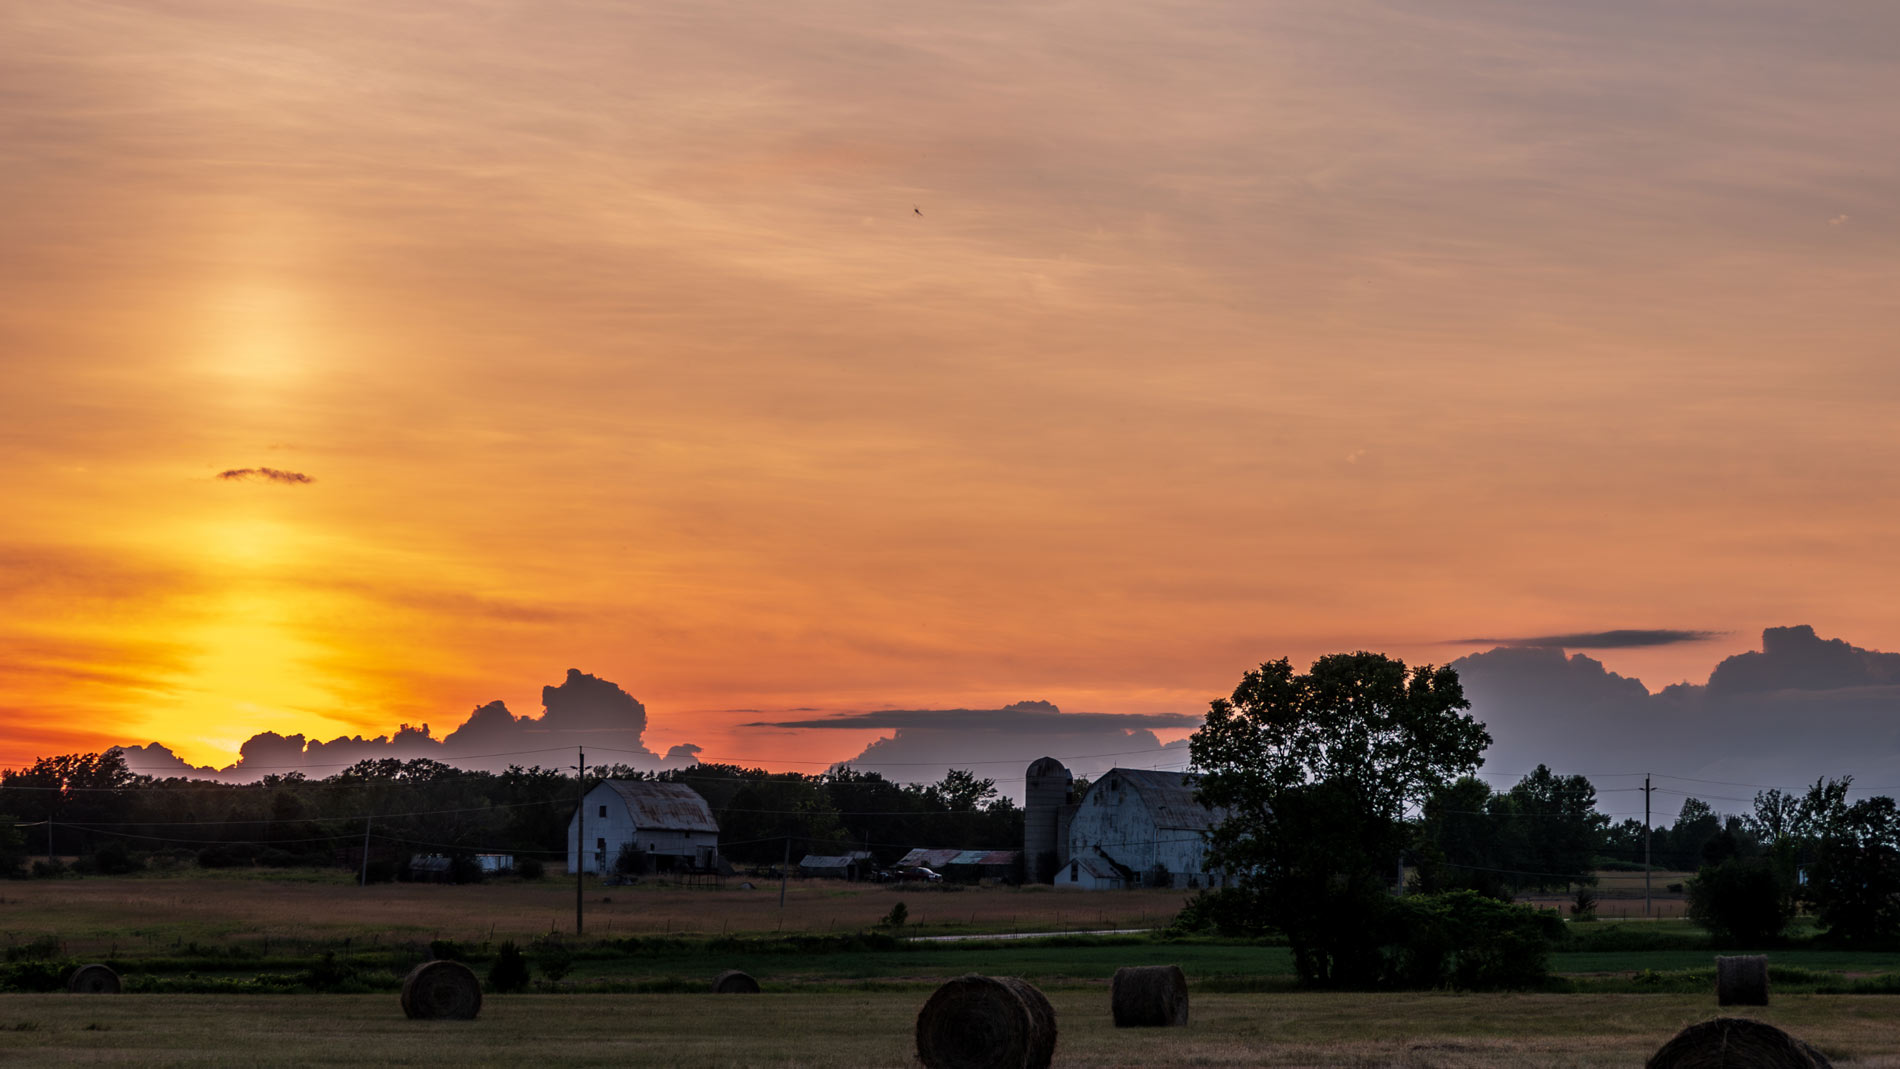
x: 668, y: 824
x: 855, y: 865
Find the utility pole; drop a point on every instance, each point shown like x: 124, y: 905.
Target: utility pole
x: 363, y: 880
x: 784, y: 865
x: 580, y: 832
x: 1646, y: 789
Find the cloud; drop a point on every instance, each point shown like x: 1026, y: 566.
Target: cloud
x: 1620, y: 639
x: 276, y: 475
x: 1021, y: 718
x: 583, y: 711
x: 1800, y: 708
x: 999, y: 744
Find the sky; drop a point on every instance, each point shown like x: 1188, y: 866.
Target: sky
x: 368, y: 364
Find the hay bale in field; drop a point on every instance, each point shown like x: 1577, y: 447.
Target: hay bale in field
x: 1149, y: 996
x: 986, y: 1022
x: 93, y: 980
x: 1735, y: 1043
x: 441, y: 990
x: 1741, y: 980
x: 734, y: 982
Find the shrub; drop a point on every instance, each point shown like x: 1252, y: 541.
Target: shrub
x: 1742, y: 901
x: 50, y: 870
x: 510, y: 971
x: 447, y: 950
x: 116, y: 859
x: 1465, y: 940
x: 554, y: 961
x: 530, y: 868
x: 896, y: 918
x: 224, y: 856
x: 380, y: 871
x: 1583, y: 905
x: 463, y: 868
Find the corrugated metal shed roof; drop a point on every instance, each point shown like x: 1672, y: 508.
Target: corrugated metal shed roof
x: 830, y: 861
x: 930, y: 859
x: 1168, y: 795
x: 664, y: 806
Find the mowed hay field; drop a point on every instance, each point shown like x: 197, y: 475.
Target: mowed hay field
x: 874, y: 1029
x: 94, y: 916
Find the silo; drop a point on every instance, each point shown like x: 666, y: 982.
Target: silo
x: 1045, y: 790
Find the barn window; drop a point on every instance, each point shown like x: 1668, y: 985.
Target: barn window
x: 603, y: 811
x: 1075, y: 872
x: 600, y: 844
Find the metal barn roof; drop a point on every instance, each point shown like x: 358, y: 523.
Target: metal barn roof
x: 1168, y: 795
x: 664, y: 806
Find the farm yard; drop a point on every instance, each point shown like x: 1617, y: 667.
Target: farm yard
x: 218, y: 967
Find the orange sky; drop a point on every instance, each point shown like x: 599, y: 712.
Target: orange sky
x: 612, y: 338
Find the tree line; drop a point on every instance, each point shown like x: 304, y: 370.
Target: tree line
x: 93, y: 808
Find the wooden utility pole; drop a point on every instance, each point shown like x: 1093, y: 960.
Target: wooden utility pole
x: 363, y: 879
x: 783, y: 866
x: 580, y: 833
x: 1646, y: 789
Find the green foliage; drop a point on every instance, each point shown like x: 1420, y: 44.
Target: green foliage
x: 896, y: 917
x: 1583, y: 904
x: 1854, y: 882
x: 1742, y: 901
x: 553, y: 959
x: 530, y: 868
x: 448, y: 950
x: 1315, y: 771
x: 39, y: 948
x: 509, y: 973
x: 116, y: 859
x: 1465, y: 940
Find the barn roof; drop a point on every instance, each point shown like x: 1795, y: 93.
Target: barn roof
x: 1168, y: 795
x: 664, y: 806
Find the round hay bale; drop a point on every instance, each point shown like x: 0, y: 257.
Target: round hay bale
x: 734, y: 982
x: 93, y: 980
x: 1741, y: 980
x: 986, y: 1022
x: 1735, y: 1043
x: 1149, y: 996
x: 441, y: 990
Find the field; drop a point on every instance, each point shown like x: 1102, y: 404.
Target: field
x: 146, y: 914
x: 874, y: 1029
x: 635, y: 989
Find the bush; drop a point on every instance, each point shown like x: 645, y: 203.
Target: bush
x: 510, y: 971
x: 225, y: 856
x: 447, y: 950
x: 379, y: 871
x: 116, y: 859
x: 463, y: 868
x: 50, y: 870
x: 554, y: 960
x: 1465, y: 940
x: 1742, y: 901
x: 530, y: 868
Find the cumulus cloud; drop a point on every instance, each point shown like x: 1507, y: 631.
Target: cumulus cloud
x: 999, y: 744
x: 275, y: 475
x: 1620, y: 639
x: 584, y: 710
x: 1799, y: 708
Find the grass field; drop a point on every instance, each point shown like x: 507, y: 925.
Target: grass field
x: 147, y: 914
x: 874, y: 1029
x: 1635, y: 982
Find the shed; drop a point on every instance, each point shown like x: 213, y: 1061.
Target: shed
x: 850, y: 866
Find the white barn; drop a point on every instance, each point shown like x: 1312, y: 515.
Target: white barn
x: 1132, y: 828
x: 669, y: 821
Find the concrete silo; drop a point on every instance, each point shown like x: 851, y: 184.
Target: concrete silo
x: 1046, y: 791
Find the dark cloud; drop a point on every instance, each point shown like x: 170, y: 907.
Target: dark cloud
x: 1795, y: 658
x: 584, y: 710
x: 276, y: 475
x: 999, y: 744
x: 1621, y: 639
x: 1022, y: 718
x: 1800, y: 708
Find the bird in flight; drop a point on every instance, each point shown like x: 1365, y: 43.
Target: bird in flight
x: 916, y: 209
